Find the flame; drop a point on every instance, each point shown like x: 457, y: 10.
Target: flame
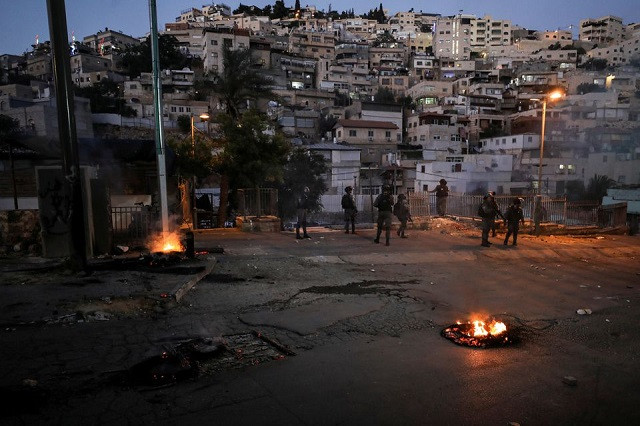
x: 494, y: 328
x: 166, y: 243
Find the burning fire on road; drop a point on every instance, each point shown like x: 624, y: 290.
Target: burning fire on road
x: 166, y: 243
x: 479, y: 334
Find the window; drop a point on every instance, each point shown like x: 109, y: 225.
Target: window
x: 436, y: 137
x: 422, y: 168
x: 513, y: 140
x: 387, y: 134
x: 353, y: 133
x: 370, y: 133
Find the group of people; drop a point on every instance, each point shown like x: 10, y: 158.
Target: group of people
x: 489, y: 211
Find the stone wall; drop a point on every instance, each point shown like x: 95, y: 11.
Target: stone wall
x: 20, y: 231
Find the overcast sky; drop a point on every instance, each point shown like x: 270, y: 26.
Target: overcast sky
x: 21, y: 21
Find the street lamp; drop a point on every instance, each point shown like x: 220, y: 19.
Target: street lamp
x: 203, y: 117
x: 537, y: 214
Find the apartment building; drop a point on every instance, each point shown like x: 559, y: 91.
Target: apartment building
x: 312, y: 44
x: 190, y: 38
x: 214, y: 41
x: 602, y: 31
x: 470, y: 173
x: 109, y: 42
x: 617, y: 54
x: 455, y: 37
x: 374, y: 137
x: 436, y: 131
x: 389, y: 56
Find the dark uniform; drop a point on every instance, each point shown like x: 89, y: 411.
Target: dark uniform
x: 488, y: 213
x: 302, y: 208
x: 498, y: 213
x: 401, y: 210
x: 384, y: 203
x: 442, y: 192
x: 350, y: 210
x: 512, y: 217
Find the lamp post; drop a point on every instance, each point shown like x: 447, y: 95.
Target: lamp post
x: 203, y: 117
x: 537, y: 212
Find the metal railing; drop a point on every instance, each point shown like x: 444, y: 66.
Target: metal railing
x: 131, y: 223
x: 421, y: 204
x: 258, y: 202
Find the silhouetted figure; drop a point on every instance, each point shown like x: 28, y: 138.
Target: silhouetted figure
x: 350, y: 210
x: 403, y: 213
x: 302, y: 207
x: 384, y: 204
x: 512, y: 218
x: 442, y: 192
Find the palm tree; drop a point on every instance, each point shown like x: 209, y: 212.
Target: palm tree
x: 598, y: 185
x: 238, y: 83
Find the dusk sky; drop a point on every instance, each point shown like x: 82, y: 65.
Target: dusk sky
x: 21, y: 21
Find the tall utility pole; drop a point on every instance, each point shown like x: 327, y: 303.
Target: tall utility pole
x: 157, y: 103
x: 67, y: 132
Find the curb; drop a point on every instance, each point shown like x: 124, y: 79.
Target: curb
x: 180, y: 291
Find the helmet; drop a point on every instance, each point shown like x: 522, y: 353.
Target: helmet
x: 517, y: 200
x: 386, y: 188
x: 443, y: 182
x: 348, y: 189
x: 401, y: 196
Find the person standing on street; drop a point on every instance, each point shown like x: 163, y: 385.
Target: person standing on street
x: 512, y: 218
x: 302, y: 208
x: 498, y: 213
x: 350, y: 210
x: 384, y: 204
x: 487, y: 212
x: 401, y: 210
x: 442, y: 192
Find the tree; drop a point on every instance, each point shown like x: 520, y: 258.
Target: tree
x: 137, y: 59
x: 253, y: 156
x: 597, y: 187
x: 279, y: 10
x: 303, y: 169
x: 238, y: 83
x: 575, y: 190
x: 383, y: 39
x: 326, y: 124
x: 384, y: 96
x: 105, y: 97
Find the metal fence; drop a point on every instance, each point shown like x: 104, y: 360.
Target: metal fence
x: 131, y: 223
x: 258, y: 202
x: 421, y: 204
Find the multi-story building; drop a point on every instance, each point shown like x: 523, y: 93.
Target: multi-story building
x: 471, y: 173
x: 436, y: 132
x: 38, y: 62
x: 215, y: 39
x: 602, y: 31
x: 312, y: 44
x: 109, y: 42
x: 374, y: 137
x: 344, y: 166
x: 455, y: 37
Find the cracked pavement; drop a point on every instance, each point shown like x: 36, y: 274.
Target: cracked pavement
x: 364, y: 323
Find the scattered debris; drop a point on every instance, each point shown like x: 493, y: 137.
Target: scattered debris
x: 584, y: 311
x: 570, y: 381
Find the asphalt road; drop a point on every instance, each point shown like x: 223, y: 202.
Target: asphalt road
x: 364, y: 323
